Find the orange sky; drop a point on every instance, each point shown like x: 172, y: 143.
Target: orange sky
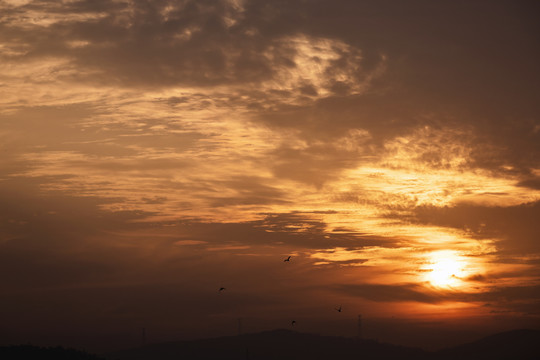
x: 155, y: 151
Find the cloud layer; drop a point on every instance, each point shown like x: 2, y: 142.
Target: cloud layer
x: 153, y: 152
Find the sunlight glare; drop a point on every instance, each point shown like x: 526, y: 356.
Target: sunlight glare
x: 445, y: 268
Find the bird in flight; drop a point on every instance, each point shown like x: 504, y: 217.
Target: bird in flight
x: 221, y: 289
x: 338, y: 309
x: 288, y: 258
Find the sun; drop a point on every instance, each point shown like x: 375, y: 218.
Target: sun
x: 445, y: 268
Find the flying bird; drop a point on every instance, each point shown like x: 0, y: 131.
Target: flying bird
x: 288, y: 258
x: 338, y: 309
x: 221, y: 289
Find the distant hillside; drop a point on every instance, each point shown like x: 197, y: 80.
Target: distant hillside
x: 278, y: 344
x: 517, y: 344
x: 30, y: 352
x: 285, y: 344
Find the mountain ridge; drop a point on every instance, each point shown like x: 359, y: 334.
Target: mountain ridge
x: 288, y: 344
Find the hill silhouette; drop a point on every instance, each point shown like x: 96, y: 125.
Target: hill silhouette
x: 286, y: 344
x: 277, y: 344
x: 516, y: 344
x: 31, y: 352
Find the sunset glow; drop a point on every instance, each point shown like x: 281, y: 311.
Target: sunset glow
x: 155, y: 151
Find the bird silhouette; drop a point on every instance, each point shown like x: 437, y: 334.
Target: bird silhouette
x: 338, y: 309
x: 293, y: 323
x: 221, y: 289
x: 288, y: 258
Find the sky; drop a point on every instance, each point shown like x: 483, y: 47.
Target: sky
x: 153, y: 152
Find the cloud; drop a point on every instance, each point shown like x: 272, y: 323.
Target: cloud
x: 187, y: 43
x: 514, y: 299
x: 170, y: 147
x: 513, y: 224
x: 222, y: 55
x: 376, y: 292
x: 532, y: 183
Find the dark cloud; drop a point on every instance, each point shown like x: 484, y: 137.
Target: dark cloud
x: 378, y: 292
x: 510, y: 298
x: 515, y: 225
x: 532, y: 183
x: 157, y: 44
x: 301, y: 230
